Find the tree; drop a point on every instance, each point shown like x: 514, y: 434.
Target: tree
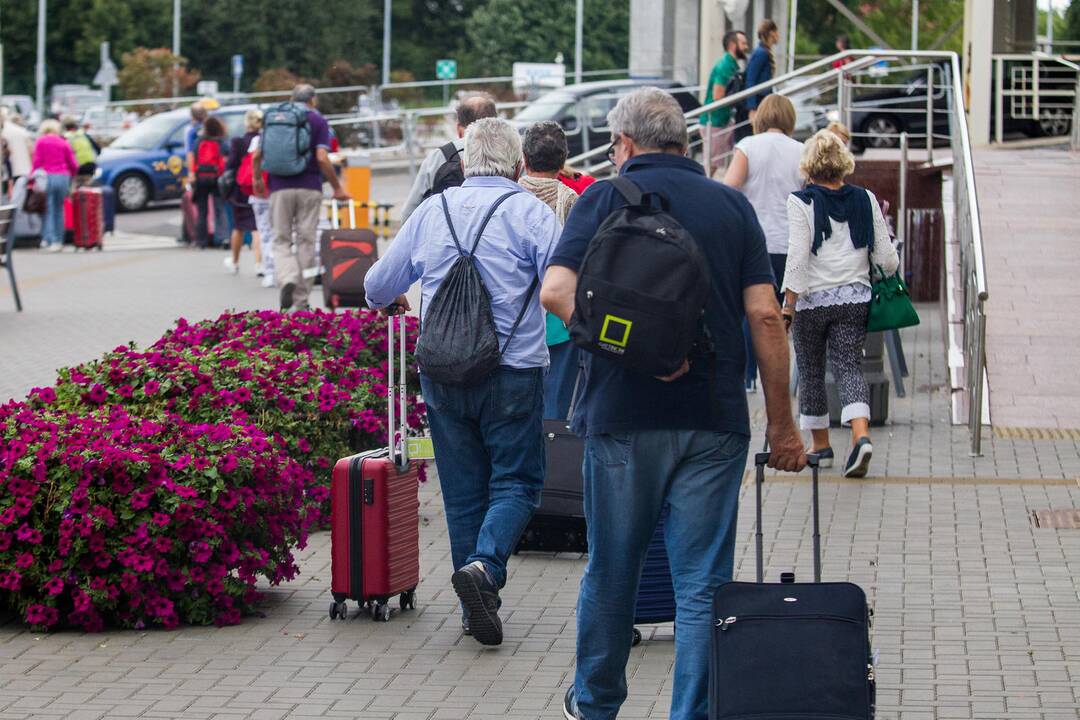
x: 502, y: 32
x: 146, y: 73
x: 1072, y: 21
x: 276, y: 78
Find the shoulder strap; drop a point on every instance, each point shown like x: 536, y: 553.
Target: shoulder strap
x: 521, y: 313
x: 628, y: 189
x: 450, y: 224
x: 487, y: 218
x: 449, y: 151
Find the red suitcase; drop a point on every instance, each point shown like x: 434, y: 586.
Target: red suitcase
x: 88, y: 217
x: 347, y: 254
x: 375, y: 516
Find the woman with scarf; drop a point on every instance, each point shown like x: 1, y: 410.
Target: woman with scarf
x: 836, y: 235
x: 545, y: 151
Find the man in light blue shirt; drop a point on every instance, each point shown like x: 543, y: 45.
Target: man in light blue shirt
x: 488, y: 437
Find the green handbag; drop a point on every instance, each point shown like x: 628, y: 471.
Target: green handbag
x: 890, y: 304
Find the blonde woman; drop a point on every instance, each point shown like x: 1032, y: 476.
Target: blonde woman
x: 53, y: 154
x: 243, y: 213
x: 836, y: 234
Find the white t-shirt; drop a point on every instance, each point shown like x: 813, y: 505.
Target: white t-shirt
x: 772, y: 174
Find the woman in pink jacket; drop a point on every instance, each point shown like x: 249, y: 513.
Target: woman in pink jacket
x: 54, y: 155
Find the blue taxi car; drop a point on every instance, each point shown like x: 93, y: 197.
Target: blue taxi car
x: 146, y: 163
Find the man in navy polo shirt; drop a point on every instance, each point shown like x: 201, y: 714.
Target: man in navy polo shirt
x: 679, y: 441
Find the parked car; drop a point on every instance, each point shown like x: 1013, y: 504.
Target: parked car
x: 146, y: 163
x: 878, y: 117
x: 582, y: 109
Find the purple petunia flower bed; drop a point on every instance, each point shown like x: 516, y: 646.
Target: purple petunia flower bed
x: 156, y: 487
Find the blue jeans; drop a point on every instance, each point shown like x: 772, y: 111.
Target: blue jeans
x: 489, y: 448
x: 56, y: 190
x: 629, y: 477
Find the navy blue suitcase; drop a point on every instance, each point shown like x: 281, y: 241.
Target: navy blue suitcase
x: 787, y: 650
x: 656, y: 594
x: 108, y: 199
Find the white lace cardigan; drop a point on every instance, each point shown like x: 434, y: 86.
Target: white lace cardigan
x: 825, y: 278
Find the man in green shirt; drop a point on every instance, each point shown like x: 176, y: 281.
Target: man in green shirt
x: 716, y: 133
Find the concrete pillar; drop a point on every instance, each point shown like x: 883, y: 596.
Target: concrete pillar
x: 686, y: 41
x: 714, y: 23
x: 651, y: 42
x: 978, y: 68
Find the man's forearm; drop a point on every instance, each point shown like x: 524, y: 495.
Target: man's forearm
x: 557, y: 292
x: 771, y: 349
x: 327, y: 169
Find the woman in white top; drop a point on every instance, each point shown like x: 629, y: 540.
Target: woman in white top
x: 765, y: 167
x: 837, y: 232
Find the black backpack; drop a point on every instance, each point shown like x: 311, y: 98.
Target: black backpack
x: 458, y: 343
x: 641, y: 288
x: 736, y: 84
x: 450, y: 173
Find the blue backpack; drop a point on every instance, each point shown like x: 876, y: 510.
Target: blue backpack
x: 286, y: 141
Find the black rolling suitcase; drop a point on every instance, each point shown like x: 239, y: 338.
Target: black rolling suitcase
x: 787, y: 650
x: 558, y: 525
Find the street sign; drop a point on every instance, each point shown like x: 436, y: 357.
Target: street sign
x: 539, y: 75
x: 106, y: 74
x: 446, y: 69
x: 237, y: 65
x: 207, y: 88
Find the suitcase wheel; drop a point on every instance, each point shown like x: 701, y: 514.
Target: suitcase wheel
x: 407, y: 600
x: 339, y: 610
x: 380, y: 612
x: 637, y: 638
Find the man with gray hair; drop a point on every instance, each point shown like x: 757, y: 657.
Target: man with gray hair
x: 678, y: 441
x: 488, y: 436
x: 295, y: 201
x: 442, y: 167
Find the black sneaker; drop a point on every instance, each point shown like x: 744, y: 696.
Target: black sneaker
x: 825, y: 457
x: 465, y: 630
x: 287, y: 296
x: 858, y: 461
x: 480, y: 596
x: 569, y: 705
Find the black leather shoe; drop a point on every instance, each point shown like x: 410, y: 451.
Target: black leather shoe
x: 481, y: 598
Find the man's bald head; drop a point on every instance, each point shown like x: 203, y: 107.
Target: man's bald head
x: 472, y: 107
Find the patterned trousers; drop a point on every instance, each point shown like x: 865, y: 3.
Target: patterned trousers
x: 834, y: 333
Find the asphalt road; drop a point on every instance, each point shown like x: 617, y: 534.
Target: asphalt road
x: 163, y: 219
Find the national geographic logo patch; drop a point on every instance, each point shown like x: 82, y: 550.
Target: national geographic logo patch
x: 614, y: 334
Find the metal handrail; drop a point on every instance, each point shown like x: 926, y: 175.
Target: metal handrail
x: 1035, y: 93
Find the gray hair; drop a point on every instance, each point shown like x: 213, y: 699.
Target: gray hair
x: 651, y: 118
x: 544, y: 147
x: 492, y: 148
x: 303, y: 93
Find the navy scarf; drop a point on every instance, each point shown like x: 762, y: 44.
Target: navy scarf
x: 850, y: 204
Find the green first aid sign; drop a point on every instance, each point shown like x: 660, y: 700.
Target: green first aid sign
x: 446, y: 69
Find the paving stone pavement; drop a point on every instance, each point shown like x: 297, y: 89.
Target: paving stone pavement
x: 977, y: 612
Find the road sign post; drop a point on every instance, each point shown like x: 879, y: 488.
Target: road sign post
x: 237, y: 72
x: 106, y: 75
x: 446, y: 70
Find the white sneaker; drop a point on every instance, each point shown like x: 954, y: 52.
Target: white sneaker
x: 268, y: 281
x: 258, y: 270
x: 55, y: 248
x: 231, y: 267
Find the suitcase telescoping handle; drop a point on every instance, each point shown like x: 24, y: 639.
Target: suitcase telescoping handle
x: 395, y: 392
x: 761, y: 459
x: 335, y: 223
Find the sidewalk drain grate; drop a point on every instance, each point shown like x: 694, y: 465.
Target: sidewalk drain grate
x: 1022, y: 433
x: 1056, y: 519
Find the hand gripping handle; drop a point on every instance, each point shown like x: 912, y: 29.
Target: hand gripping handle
x: 761, y: 459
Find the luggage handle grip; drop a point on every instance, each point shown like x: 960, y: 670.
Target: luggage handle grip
x: 335, y: 222
x: 396, y: 392
x: 761, y: 459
